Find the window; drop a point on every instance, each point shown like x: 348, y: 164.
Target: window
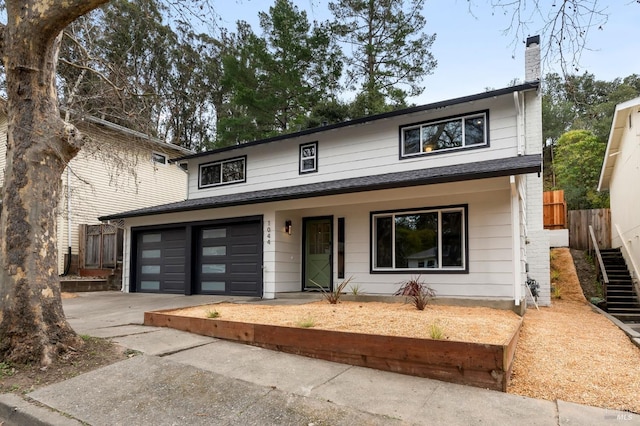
x: 419, y: 240
x: 462, y: 132
x: 222, y: 172
x: 158, y: 158
x: 309, y: 157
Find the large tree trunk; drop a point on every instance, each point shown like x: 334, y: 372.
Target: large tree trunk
x: 39, y: 146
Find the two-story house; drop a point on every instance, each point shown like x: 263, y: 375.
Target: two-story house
x: 117, y: 169
x: 450, y: 191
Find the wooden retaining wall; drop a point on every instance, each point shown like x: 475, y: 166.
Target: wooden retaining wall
x: 480, y: 365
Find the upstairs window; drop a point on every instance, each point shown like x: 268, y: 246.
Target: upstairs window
x: 309, y: 157
x: 467, y: 131
x: 222, y: 172
x: 158, y: 158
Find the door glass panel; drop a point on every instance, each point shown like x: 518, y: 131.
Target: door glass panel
x: 151, y: 269
x: 150, y: 285
x: 151, y: 238
x: 317, y: 268
x: 214, y: 251
x: 214, y: 268
x: 319, y: 238
x: 214, y: 233
x: 213, y: 286
x: 150, y: 254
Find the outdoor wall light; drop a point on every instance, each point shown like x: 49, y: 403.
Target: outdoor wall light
x: 288, y: 227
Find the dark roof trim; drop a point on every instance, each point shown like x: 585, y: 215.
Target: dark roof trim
x: 427, y: 176
x: 484, y: 95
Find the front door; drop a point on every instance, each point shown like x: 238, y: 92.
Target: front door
x: 318, y: 247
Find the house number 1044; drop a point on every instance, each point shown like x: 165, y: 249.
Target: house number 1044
x: 268, y: 232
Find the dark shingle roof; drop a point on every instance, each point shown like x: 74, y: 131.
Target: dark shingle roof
x: 427, y: 176
x: 532, y: 85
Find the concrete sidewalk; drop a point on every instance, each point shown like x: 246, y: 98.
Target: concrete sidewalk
x: 186, y: 379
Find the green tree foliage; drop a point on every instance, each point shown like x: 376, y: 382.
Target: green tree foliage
x: 580, y: 102
x: 578, y: 160
x: 123, y: 64
x: 390, y: 53
x: 274, y: 81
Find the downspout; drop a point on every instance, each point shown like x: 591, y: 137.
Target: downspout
x: 519, y: 123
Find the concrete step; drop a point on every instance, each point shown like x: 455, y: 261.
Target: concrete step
x: 80, y: 285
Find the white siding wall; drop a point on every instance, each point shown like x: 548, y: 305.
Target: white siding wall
x: 111, y: 175
x: 537, y: 249
x: 625, y: 197
x: 360, y: 150
x: 490, y: 236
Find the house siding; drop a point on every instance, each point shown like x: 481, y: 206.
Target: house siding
x: 102, y: 183
x: 112, y: 173
x: 489, y: 237
x: 361, y: 150
x: 625, y: 200
x: 537, y: 239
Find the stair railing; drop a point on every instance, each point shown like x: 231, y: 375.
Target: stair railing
x: 600, y: 264
x: 627, y: 255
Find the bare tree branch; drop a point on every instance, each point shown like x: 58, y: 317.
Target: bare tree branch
x: 564, y: 25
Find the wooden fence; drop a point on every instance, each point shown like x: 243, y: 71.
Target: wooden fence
x: 554, y: 210
x: 579, y: 221
x: 100, y: 246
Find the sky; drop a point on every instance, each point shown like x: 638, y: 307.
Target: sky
x: 472, y: 49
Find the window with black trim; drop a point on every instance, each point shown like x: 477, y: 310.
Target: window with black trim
x: 419, y: 240
x: 466, y: 131
x: 222, y: 172
x: 309, y: 157
x: 158, y: 158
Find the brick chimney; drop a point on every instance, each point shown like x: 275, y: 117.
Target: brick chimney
x: 532, y: 59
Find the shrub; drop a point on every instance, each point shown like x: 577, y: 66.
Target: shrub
x: 212, y: 314
x: 307, y: 322
x: 419, y: 292
x: 435, y: 331
x: 333, y: 296
x: 355, y: 290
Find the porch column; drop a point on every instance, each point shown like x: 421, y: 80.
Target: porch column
x: 269, y: 255
x: 516, y: 241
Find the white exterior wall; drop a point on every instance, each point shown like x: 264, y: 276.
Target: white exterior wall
x: 537, y: 239
x: 121, y: 179
x: 361, y: 150
x: 625, y: 197
x: 112, y: 173
x: 490, y: 259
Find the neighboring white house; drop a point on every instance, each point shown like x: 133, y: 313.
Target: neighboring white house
x: 449, y: 191
x: 118, y: 169
x: 620, y: 175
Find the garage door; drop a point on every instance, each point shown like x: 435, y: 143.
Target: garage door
x: 161, y: 261
x: 229, y: 259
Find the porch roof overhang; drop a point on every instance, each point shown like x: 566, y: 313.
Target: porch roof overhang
x: 460, y: 172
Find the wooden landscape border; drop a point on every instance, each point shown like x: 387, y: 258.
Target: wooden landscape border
x: 475, y: 364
